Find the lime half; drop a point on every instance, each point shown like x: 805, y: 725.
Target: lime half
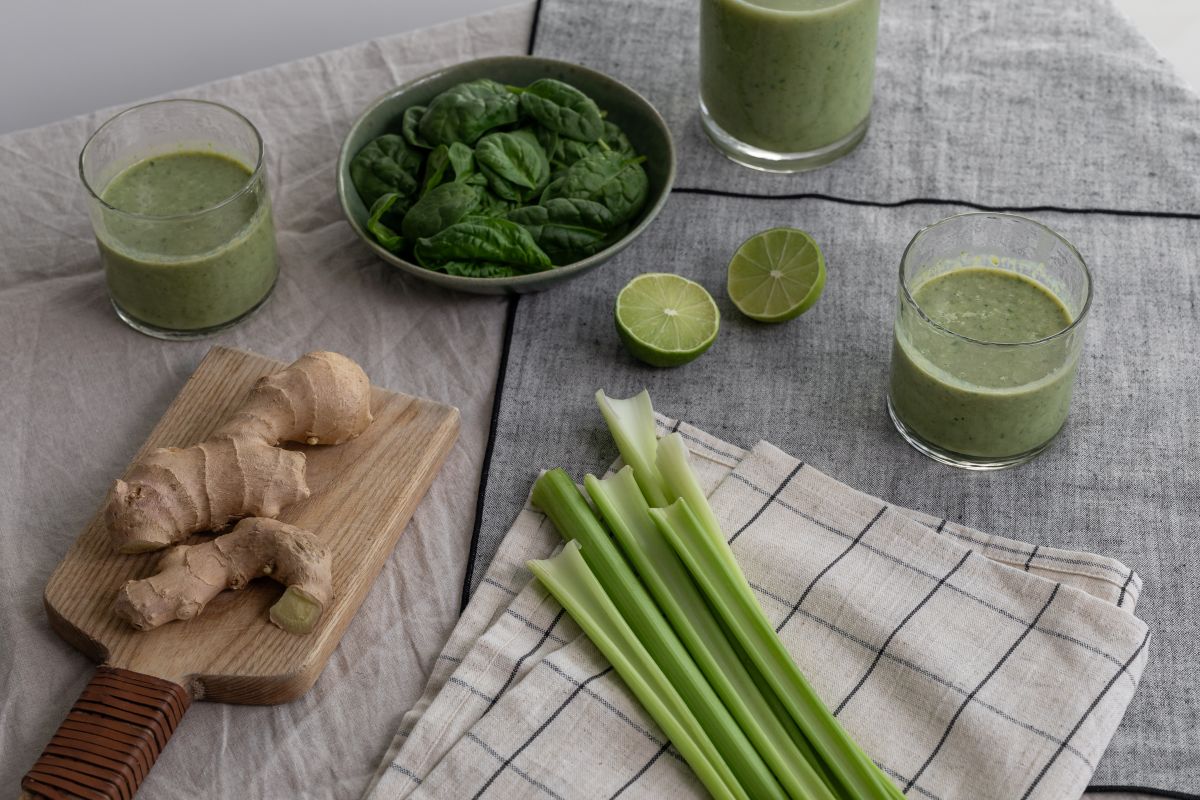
x: 776, y: 275
x: 666, y: 320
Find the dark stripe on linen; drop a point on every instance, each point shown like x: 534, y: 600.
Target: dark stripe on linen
x: 766, y: 505
x: 986, y: 679
x: 540, y: 729
x: 828, y: 567
x: 897, y: 629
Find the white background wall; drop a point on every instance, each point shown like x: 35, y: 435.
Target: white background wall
x: 65, y: 57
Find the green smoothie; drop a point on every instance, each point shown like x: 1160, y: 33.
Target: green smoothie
x: 186, y: 248
x: 788, y: 76
x: 978, y: 399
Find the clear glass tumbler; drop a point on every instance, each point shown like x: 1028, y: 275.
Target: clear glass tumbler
x: 178, y: 201
x: 786, y: 85
x: 989, y: 327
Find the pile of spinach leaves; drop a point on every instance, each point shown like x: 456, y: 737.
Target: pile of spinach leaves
x: 492, y: 181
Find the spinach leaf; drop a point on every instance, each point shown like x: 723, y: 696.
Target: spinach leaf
x: 492, y: 205
x: 384, y: 165
x: 562, y: 152
x: 462, y: 158
x: 439, y: 208
x: 491, y: 241
x: 615, y: 139
x: 515, y: 164
x: 465, y: 112
x: 457, y: 160
x: 435, y: 168
x: 567, y: 229
x: 383, y: 233
x: 563, y: 109
x: 567, y: 151
x: 549, y: 140
x: 409, y: 127
x: 612, y: 179
x: 570, y: 151
x: 502, y: 188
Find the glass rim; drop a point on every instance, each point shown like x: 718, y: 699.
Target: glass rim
x: 1087, y: 274
x: 832, y: 4
x: 255, y: 173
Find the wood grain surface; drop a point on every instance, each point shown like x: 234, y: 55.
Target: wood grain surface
x: 363, y: 494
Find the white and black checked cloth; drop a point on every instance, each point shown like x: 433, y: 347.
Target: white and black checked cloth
x: 968, y: 665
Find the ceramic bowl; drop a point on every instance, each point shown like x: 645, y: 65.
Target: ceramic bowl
x: 641, y: 122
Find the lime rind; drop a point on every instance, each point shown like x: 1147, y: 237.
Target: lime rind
x: 776, y: 275
x: 666, y: 320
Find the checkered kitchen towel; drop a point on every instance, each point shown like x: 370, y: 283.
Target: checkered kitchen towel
x: 968, y: 665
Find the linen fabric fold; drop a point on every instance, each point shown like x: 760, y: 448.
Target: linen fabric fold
x: 967, y: 664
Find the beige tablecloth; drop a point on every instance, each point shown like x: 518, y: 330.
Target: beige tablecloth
x: 79, y: 392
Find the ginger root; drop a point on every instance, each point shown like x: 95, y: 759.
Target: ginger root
x: 189, y: 576
x: 322, y: 398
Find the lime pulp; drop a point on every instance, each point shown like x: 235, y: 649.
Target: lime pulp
x: 666, y: 320
x: 776, y: 275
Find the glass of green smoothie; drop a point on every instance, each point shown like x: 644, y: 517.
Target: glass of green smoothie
x: 989, y: 328
x: 786, y: 85
x: 178, y: 200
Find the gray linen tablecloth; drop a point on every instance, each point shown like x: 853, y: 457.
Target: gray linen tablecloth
x: 80, y: 392
x: 1057, y: 109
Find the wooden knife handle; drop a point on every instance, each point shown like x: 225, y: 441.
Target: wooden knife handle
x: 110, y: 739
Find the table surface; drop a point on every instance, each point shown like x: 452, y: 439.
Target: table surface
x: 387, y: 668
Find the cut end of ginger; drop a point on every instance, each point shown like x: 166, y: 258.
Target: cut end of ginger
x: 296, y: 612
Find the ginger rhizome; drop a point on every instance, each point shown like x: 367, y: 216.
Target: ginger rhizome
x: 189, y: 576
x: 239, y: 471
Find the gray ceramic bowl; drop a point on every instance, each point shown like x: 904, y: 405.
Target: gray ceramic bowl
x: 641, y: 123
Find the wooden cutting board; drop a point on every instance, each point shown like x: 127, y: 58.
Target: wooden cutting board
x: 363, y: 494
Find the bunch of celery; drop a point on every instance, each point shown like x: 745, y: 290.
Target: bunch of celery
x: 668, y: 606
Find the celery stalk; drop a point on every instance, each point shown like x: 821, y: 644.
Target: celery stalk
x: 631, y: 422
x: 556, y: 495
x: 678, y: 480
x: 711, y: 563
x: 567, y: 577
x: 781, y: 714
x: 668, y: 477
x: 623, y: 507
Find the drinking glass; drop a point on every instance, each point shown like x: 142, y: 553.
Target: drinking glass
x: 180, y: 261
x: 786, y: 85
x: 979, y: 403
